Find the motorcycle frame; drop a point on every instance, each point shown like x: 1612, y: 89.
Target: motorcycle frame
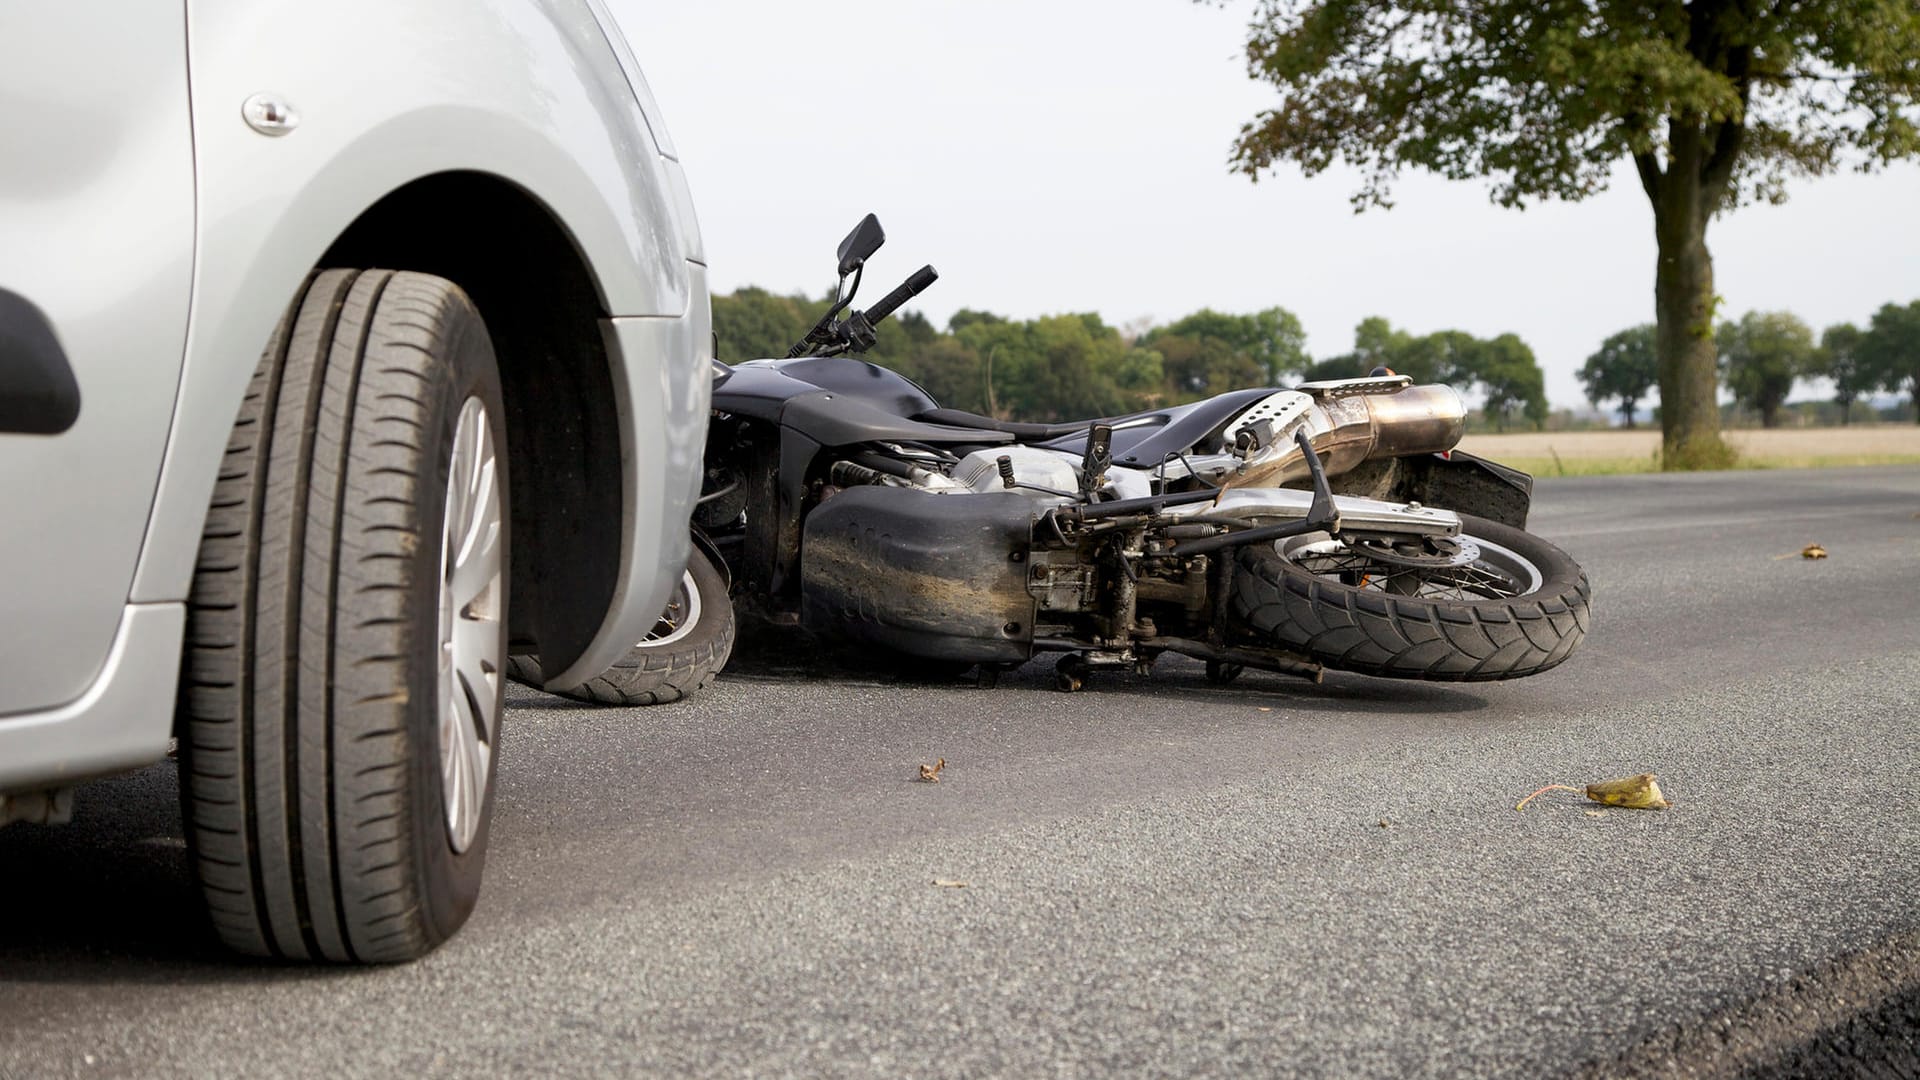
x: 775, y: 433
x: 789, y: 432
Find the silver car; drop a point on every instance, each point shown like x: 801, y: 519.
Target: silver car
x: 343, y: 347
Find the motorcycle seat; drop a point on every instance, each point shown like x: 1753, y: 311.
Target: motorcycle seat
x: 1025, y: 432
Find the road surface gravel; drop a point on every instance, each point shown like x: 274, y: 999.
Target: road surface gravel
x: 1154, y: 876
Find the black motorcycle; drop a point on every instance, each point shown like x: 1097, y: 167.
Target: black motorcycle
x: 1327, y: 525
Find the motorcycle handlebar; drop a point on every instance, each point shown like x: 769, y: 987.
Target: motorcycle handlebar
x: 908, y: 289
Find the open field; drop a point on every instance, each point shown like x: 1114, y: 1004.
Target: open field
x: 1598, y: 453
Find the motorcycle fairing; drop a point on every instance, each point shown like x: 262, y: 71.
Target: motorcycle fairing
x: 882, y: 387
x: 867, y: 410
x: 1146, y: 439
x: 928, y: 575
x: 810, y: 418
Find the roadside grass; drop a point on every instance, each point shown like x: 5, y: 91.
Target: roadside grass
x: 1617, y: 452
x: 1622, y: 466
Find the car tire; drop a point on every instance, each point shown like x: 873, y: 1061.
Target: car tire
x: 347, y: 629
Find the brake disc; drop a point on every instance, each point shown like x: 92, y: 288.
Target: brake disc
x: 1436, y: 552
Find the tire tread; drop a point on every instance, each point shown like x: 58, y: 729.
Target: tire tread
x: 295, y: 689
x: 1413, y: 637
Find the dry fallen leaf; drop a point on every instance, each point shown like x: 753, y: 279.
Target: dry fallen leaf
x: 945, y: 884
x: 1384, y: 823
x: 1635, y: 793
x: 931, y: 773
x: 1813, y: 551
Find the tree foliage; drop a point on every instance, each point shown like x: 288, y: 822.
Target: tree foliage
x: 1502, y: 369
x: 1890, y: 350
x: 1763, y: 354
x: 1713, y: 101
x: 1839, y: 359
x: 1055, y: 367
x: 1509, y: 376
x: 1625, y: 370
x: 1272, y: 341
x: 1545, y: 96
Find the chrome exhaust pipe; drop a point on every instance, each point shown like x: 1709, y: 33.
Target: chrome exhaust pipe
x: 1347, y: 423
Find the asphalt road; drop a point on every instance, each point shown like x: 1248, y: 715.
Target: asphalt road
x: 1161, y: 876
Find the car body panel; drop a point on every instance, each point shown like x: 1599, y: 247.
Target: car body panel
x: 96, y: 211
x: 122, y: 722
x: 185, y: 295
x: 514, y: 101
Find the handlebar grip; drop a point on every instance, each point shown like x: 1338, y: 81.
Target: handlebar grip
x: 908, y: 289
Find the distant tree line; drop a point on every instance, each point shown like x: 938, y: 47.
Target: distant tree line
x: 1765, y: 353
x: 1060, y: 367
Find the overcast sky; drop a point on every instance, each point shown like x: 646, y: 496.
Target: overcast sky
x: 1070, y: 155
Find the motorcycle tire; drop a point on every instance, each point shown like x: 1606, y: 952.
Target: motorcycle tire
x: 681, y: 655
x: 1519, y: 607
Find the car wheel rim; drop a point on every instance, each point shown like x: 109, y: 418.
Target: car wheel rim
x: 680, y: 617
x: 471, y: 647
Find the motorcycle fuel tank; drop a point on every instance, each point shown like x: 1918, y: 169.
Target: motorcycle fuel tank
x: 939, y: 576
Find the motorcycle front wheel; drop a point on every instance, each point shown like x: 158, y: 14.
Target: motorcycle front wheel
x: 1494, y: 603
x: 682, y: 654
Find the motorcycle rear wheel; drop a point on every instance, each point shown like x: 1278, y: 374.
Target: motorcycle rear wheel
x: 1511, y: 605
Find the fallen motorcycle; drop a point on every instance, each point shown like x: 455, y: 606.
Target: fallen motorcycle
x: 1326, y: 526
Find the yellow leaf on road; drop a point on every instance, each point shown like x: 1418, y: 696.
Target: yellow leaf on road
x: 1640, y: 792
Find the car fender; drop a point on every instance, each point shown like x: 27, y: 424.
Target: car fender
x: 381, y: 95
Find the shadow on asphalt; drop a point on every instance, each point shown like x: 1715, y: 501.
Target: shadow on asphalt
x: 776, y: 656
x: 110, y: 897
x: 795, y: 657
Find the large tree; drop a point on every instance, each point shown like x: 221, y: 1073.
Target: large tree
x: 1624, y: 370
x: 1763, y: 354
x: 1713, y: 101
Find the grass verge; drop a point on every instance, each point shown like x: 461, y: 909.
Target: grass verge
x: 1621, y: 466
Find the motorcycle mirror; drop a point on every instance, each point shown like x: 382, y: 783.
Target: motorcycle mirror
x: 863, y: 241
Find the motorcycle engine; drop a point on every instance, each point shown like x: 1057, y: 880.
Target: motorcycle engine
x: 980, y: 470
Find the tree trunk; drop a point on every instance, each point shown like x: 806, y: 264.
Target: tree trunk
x: 1689, y: 378
x: 1684, y: 196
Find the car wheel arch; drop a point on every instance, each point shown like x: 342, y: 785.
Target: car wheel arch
x: 544, y: 309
